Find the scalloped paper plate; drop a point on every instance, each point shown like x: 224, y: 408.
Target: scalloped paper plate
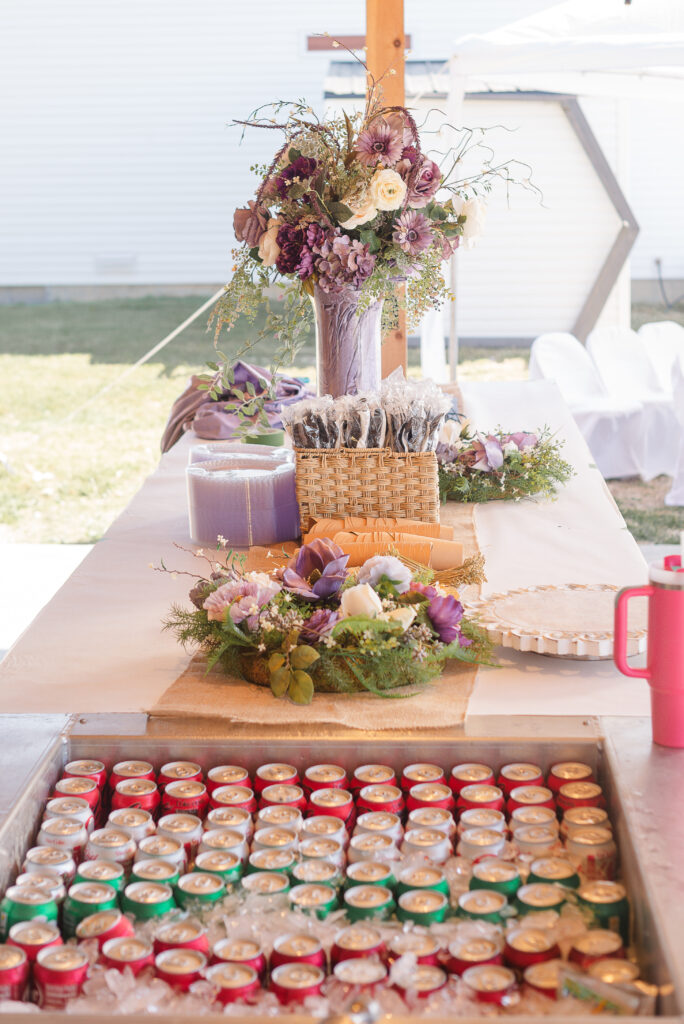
x: 573, y: 620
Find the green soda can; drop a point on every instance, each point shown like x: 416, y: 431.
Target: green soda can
x: 539, y: 896
x: 320, y: 872
x: 558, y: 870
x: 483, y: 905
x: 151, y: 870
x: 144, y: 900
x: 266, y: 883
x: 272, y: 860
x: 369, y: 872
x: 424, y: 876
x: 608, y: 904
x: 369, y: 902
x: 312, y: 898
x: 499, y: 875
x: 422, y: 906
x: 223, y: 863
x: 107, y: 872
x: 84, y: 899
x: 23, y: 903
x: 199, y: 889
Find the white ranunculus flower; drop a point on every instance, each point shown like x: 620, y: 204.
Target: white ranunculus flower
x: 360, y: 600
x: 387, y: 190
x: 363, y: 211
x: 474, y: 211
x: 269, y: 250
x: 373, y: 569
x: 405, y: 616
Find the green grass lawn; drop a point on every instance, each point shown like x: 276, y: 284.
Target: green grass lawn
x: 67, y: 472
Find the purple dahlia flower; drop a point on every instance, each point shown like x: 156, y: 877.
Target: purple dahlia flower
x: 318, y: 625
x: 290, y: 240
x: 445, y: 614
x: 379, y: 143
x: 412, y: 232
x: 317, y: 571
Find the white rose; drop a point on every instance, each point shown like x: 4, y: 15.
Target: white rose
x: 363, y: 211
x: 474, y: 211
x: 387, y: 190
x: 269, y: 250
x: 450, y: 432
x: 373, y: 569
x: 404, y: 616
x: 360, y: 600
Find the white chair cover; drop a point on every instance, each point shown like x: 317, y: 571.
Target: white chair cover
x: 627, y: 373
x: 675, y: 495
x: 664, y: 342
x: 609, y: 426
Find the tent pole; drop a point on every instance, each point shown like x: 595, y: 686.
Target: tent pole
x: 453, y: 327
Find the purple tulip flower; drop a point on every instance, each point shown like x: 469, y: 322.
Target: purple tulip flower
x: 317, y: 571
x: 318, y: 625
x: 445, y: 613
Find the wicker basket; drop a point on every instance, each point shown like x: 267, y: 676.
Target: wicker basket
x: 366, y: 482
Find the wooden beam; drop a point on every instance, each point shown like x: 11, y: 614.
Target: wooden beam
x: 386, y: 43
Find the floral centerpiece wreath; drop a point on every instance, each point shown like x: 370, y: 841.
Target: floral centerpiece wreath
x: 313, y: 624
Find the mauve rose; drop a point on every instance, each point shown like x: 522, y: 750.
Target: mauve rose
x: 250, y: 224
x: 425, y: 185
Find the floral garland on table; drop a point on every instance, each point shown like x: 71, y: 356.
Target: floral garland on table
x: 313, y: 624
x: 480, y: 467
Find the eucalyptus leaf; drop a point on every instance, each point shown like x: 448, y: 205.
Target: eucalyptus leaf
x: 280, y: 681
x: 303, y: 656
x: 301, y: 688
x: 276, y: 661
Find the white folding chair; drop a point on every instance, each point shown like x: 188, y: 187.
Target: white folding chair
x: 609, y: 425
x: 675, y: 496
x: 664, y: 342
x: 627, y: 372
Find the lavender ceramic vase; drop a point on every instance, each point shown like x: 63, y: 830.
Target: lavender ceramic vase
x: 348, y: 343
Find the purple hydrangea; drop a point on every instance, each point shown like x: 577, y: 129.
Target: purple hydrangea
x: 342, y: 262
x: 302, y: 168
x: 313, y: 237
x: 318, y: 625
x: 412, y: 232
x: 445, y: 614
x: 317, y: 571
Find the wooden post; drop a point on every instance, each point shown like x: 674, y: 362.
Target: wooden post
x: 386, y: 42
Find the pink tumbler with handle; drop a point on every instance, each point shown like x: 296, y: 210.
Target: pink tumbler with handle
x: 665, y: 668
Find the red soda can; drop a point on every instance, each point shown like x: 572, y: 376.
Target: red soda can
x: 234, y: 982
x: 466, y: 953
x: 233, y: 796
x: 530, y: 796
x: 137, y: 793
x: 519, y: 773
x: 273, y: 774
x: 470, y: 774
x: 127, y: 951
x: 424, y: 946
x: 424, y: 981
x: 297, y: 948
x: 82, y: 787
x: 174, y: 771
x: 490, y: 983
x: 58, y: 975
x: 335, y: 803
x: 227, y: 775
x: 185, y: 828
x: 372, y: 775
x: 324, y: 776
x: 32, y: 936
x: 71, y: 807
x: 239, y: 951
x: 180, y: 968
x: 294, y: 983
x: 543, y: 977
x: 185, y: 796
x: 103, y: 926
x: 356, y: 940
x: 189, y: 934
x: 14, y: 972
x: 525, y: 946
x: 381, y: 798
x: 131, y: 770
x: 430, y: 794
x: 596, y: 944
x: 480, y: 795
x: 568, y: 771
x: 417, y: 774
x: 86, y: 769
x: 580, y: 794
x: 282, y: 794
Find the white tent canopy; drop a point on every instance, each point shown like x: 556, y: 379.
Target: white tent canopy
x: 587, y: 47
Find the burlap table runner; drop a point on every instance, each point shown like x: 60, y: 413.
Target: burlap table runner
x: 198, y: 694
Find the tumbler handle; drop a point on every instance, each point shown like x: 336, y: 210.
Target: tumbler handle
x: 620, y: 638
